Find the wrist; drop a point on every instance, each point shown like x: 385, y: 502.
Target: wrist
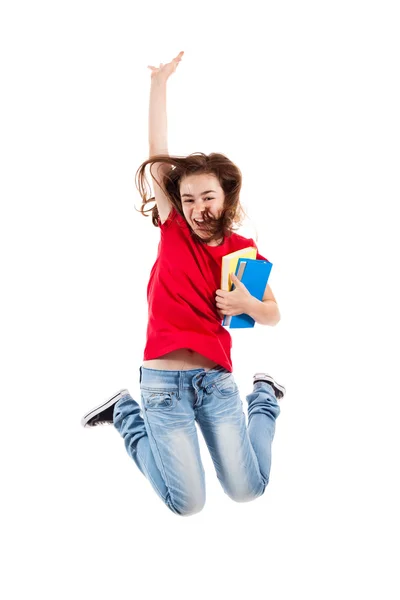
x: 158, y: 81
x: 250, y: 305
x: 263, y: 312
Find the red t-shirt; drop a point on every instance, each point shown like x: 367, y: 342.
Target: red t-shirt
x: 181, y: 293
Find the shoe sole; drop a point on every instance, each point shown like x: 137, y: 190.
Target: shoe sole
x: 92, y: 413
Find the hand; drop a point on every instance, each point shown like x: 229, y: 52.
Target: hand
x: 235, y: 302
x: 164, y: 71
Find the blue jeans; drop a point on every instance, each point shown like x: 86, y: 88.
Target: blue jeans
x: 162, y: 437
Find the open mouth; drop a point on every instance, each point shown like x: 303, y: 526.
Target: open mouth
x: 200, y: 224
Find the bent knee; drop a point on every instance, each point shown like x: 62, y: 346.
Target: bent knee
x: 187, y: 509
x: 246, y: 495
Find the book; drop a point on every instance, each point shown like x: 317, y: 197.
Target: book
x: 254, y: 274
x: 229, y: 263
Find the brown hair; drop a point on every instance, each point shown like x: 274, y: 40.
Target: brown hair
x: 227, y: 173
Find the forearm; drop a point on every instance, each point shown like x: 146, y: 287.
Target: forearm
x: 158, y: 134
x: 264, y: 313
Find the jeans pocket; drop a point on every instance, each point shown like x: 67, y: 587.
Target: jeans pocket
x: 225, y: 386
x: 158, y: 399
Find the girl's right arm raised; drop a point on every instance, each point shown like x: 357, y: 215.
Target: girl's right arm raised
x: 158, y: 132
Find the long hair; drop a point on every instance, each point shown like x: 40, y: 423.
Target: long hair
x: 227, y: 173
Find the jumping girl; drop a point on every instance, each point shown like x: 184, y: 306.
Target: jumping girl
x: 186, y: 375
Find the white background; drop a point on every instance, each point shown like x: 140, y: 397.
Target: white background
x: 304, y: 98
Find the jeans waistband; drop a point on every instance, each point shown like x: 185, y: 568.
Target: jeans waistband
x: 155, y: 378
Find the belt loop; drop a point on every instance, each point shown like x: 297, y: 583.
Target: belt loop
x: 140, y: 375
x: 181, y: 375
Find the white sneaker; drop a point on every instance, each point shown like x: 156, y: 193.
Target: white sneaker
x: 280, y: 391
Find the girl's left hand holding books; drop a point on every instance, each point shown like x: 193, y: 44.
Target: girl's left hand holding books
x: 235, y: 302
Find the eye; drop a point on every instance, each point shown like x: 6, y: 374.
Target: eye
x: 208, y: 198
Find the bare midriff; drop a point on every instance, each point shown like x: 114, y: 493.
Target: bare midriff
x: 183, y: 359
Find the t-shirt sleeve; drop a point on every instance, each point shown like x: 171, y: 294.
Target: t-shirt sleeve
x: 261, y: 257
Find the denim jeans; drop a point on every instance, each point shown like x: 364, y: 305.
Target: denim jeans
x: 162, y: 437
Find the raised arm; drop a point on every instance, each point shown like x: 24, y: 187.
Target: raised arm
x: 158, y: 131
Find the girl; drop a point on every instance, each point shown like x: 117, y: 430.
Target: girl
x: 186, y: 375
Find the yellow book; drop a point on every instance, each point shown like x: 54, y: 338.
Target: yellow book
x: 229, y: 263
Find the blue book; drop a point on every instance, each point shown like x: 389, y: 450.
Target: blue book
x: 254, y: 275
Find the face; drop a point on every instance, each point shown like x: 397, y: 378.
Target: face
x: 199, y: 192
